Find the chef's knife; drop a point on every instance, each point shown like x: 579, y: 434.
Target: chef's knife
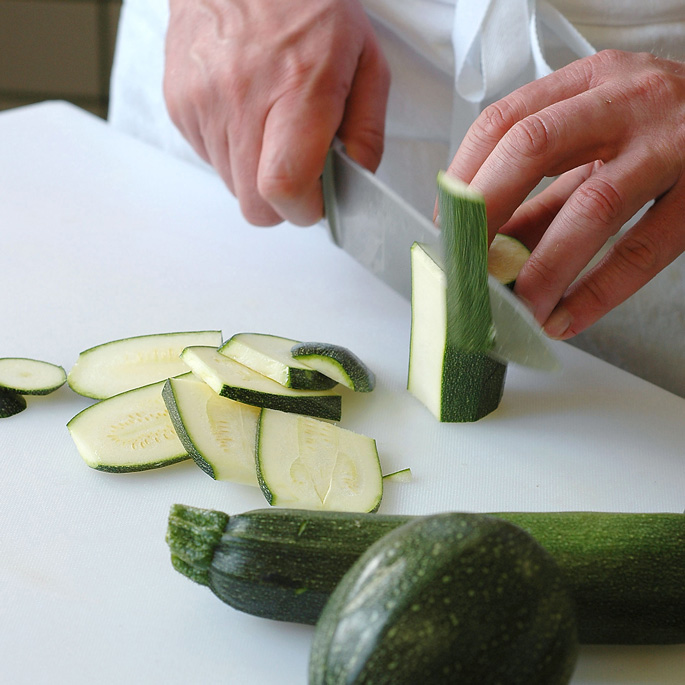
x: 378, y: 227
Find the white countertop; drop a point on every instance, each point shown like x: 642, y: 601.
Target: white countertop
x: 104, y: 237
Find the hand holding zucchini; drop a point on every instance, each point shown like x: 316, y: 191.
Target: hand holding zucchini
x: 625, y: 571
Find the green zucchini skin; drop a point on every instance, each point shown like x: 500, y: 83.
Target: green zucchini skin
x: 448, y: 598
x: 280, y: 564
x: 11, y: 403
x: 625, y: 571
x: 473, y: 385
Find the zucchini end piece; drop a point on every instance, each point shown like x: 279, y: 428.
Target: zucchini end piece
x: 192, y: 536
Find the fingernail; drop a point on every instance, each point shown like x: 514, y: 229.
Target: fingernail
x: 558, y: 323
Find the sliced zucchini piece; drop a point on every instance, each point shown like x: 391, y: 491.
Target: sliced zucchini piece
x: 311, y: 464
x: 30, y: 376
x: 506, y: 256
x: 401, y: 476
x: 131, y: 431
x: 11, y: 403
x: 453, y: 386
x: 218, y: 433
x: 450, y: 370
x: 336, y: 362
x: 270, y: 356
x: 235, y: 381
x: 120, y: 365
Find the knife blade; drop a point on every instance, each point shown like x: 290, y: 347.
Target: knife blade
x: 377, y: 227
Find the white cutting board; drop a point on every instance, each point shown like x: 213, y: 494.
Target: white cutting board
x: 103, y: 238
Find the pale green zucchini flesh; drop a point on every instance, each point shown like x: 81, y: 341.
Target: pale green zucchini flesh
x: 448, y: 599
x: 506, y: 257
x: 231, y: 379
x: 131, y: 431
x: 270, y: 356
x: 310, y: 464
x: 11, y: 403
x: 454, y: 385
x: 120, y: 365
x: 401, y: 476
x: 338, y: 363
x: 218, y: 433
x: 30, y: 376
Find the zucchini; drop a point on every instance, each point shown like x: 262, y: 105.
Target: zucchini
x: 453, y: 385
x: 218, y: 433
x: 280, y: 564
x: 310, y: 464
x: 120, y: 365
x: 450, y: 369
x: 625, y: 570
x: 270, y: 356
x: 448, y: 598
x: 338, y: 363
x: 506, y: 257
x: 30, y: 376
x: 233, y: 380
x: 131, y: 431
x: 11, y: 403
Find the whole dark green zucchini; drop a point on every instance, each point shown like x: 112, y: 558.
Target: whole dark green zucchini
x: 626, y: 572
x: 450, y: 598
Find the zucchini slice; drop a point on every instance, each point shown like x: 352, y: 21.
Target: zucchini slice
x: 506, y: 257
x: 336, y: 362
x: 30, y: 376
x: 231, y: 379
x: 120, y: 365
x: 453, y: 385
x: 401, y: 476
x: 310, y: 464
x: 11, y: 403
x: 218, y: 433
x: 131, y: 431
x: 270, y: 356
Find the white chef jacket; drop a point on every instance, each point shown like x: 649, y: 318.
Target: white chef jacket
x: 450, y: 58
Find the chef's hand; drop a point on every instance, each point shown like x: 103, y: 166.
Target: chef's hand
x: 260, y: 88
x: 613, y: 126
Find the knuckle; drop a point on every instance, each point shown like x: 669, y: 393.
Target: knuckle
x: 530, y: 138
x: 598, y: 200
x: 496, y: 119
x: 278, y: 185
x: 636, y: 252
x: 596, y: 295
x: 545, y: 276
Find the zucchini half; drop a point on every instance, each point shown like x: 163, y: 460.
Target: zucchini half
x: 452, y: 331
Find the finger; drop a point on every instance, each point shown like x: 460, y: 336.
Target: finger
x: 298, y: 132
x: 646, y: 249
x: 363, y: 125
x: 595, y: 211
x: 531, y: 219
x: 547, y: 143
x: 244, y: 145
x: 498, y: 118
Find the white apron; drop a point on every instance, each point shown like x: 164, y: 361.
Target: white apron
x: 450, y: 58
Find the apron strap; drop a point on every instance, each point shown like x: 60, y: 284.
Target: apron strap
x: 497, y: 48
